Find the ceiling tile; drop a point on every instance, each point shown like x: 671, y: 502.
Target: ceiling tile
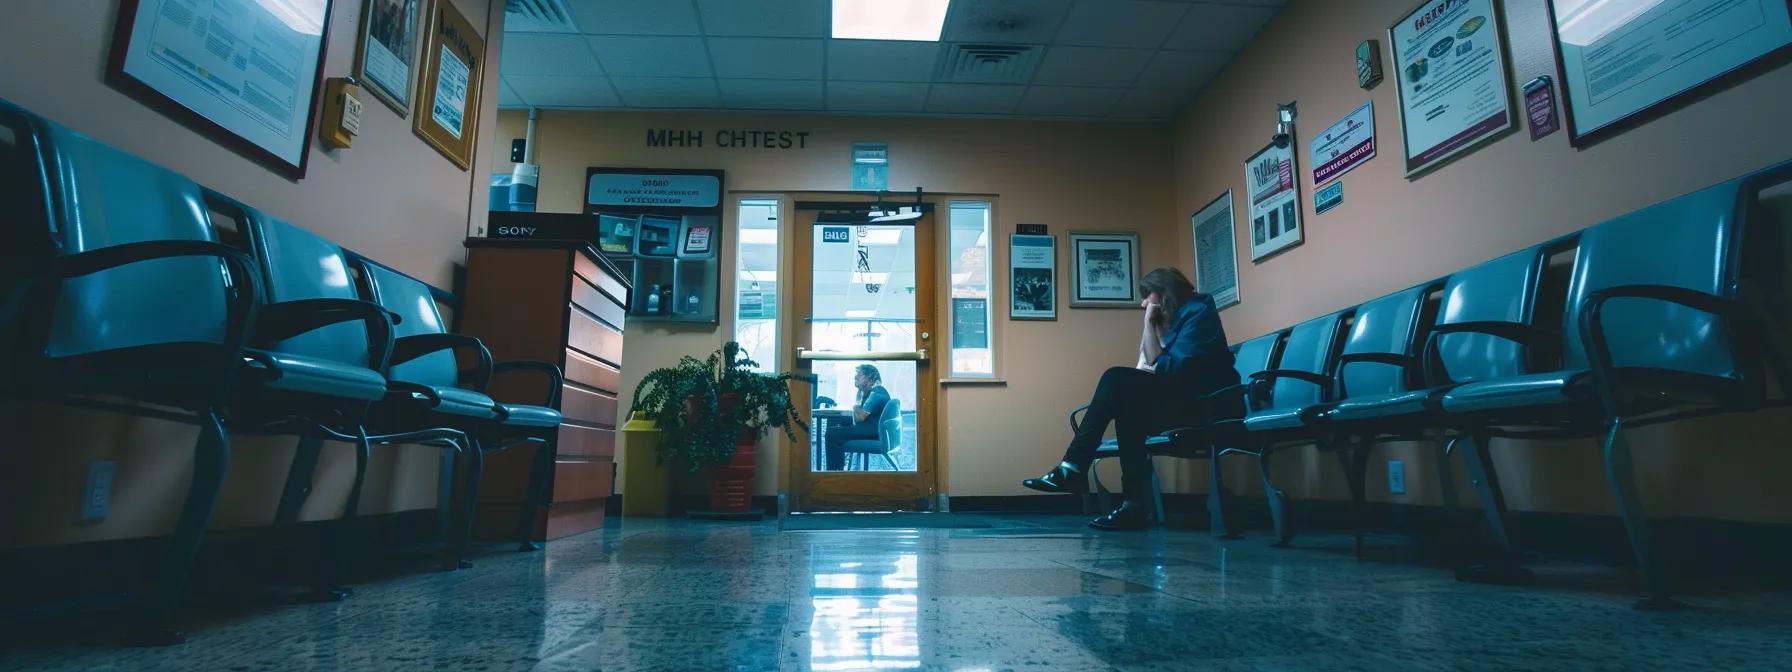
x: 1219, y: 27
x: 771, y: 94
x: 766, y: 57
x: 765, y: 18
x: 879, y: 61
x: 1151, y: 103
x: 1005, y: 21
x: 632, y: 17
x: 973, y: 98
x: 556, y: 91
x: 546, y: 54
x: 507, y: 96
x: 876, y: 96
x: 1091, y: 66
x: 667, y: 91
x: 652, y: 56
x: 1183, y: 69
x: 1120, y: 23
x: 1068, y: 101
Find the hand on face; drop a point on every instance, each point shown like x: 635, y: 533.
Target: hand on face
x: 1152, y: 309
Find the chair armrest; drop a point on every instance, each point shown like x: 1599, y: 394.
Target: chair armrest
x: 245, y: 283
x: 399, y: 387
x: 280, y: 321
x: 1076, y: 418
x: 1526, y: 336
x: 555, y: 379
x: 1324, y: 382
x: 1592, y: 320
x: 411, y: 347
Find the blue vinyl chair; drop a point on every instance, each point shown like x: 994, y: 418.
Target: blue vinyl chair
x: 1297, y: 389
x: 889, y: 438
x: 136, y: 300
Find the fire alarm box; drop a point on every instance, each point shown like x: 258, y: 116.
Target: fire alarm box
x: 342, y: 113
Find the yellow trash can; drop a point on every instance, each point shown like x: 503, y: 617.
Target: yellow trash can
x: 646, y: 483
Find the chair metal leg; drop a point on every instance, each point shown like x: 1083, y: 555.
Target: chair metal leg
x: 1622, y: 474
x: 457, y: 549
x: 1099, y: 499
x: 538, y: 491
x: 211, y: 457
x: 1354, y: 457
x: 299, y: 478
x: 1446, y: 477
x: 1219, y: 517
x: 892, y: 462
x: 1479, y: 462
x: 1278, y: 500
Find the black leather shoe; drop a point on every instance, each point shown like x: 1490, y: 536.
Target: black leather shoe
x: 1127, y: 517
x: 1059, y: 480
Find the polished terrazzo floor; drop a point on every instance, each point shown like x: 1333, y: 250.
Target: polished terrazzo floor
x: 1028, y: 593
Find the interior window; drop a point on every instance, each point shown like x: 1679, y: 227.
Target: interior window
x: 756, y: 282
x: 972, y: 341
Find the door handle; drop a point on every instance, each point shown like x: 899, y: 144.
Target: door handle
x: 812, y: 355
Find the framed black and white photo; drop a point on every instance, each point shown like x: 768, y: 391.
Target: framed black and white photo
x: 1105, y: 268
x: 386, y: 62
x: 1623, y: 63
x: 1274, y: 212
x: 1033, y: 277
x: 245, y: 73
x: 1216, y: 251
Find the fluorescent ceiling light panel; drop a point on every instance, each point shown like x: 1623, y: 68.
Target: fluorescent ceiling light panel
x: 912, y: 20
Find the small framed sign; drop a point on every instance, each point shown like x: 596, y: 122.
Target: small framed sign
x: 1033, y: 277
x: 453, y: 62
x: 386, y: 63
x: 1106, y: 268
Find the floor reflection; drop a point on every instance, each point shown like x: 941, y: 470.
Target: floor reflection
x: 866, y: 611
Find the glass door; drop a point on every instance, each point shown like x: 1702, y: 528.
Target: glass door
x: 863, y: 330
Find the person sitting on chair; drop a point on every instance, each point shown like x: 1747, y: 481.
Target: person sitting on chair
x: 865, y: 415
x: 1183, y: 356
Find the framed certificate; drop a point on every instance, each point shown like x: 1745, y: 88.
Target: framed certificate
x: 1273, y: 212
x: 448, y: 94
x: 1623, y: 63
x: 243, y: 72
x: 386, y: 62
x: 1032, y: 277
x: 1450, y: 75
x: 1216, y: 251
x: 1106, y: 267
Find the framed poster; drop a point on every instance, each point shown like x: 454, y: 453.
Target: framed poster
x: 1032, y: 277
x: 1216, y: 251
x: 1623, y: 63
x: 1274, y: 212
x: 387, y: 57
x: 1345, y: 145
x: 203, y: 63
x: 1450, y: 68
x: 1105, y: 267
x: 448, y: 106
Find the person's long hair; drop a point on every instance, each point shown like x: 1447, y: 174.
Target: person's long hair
x: 1172, y: 289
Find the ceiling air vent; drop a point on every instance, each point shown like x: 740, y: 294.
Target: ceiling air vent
x: 538, y: 16
x: 989, y: 63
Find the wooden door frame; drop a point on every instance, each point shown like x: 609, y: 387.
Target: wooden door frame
x: 810, y: 490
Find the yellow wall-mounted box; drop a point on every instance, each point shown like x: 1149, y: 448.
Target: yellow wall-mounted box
x: 342, y: 113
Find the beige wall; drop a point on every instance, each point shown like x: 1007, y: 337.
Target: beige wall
x: 1392, y: 232
x: 391, y: 197
x: 1062, y: 175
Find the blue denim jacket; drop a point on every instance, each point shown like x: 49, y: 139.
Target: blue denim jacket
x: 1195, y: 355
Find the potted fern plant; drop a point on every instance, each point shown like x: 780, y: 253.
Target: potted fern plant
x: 711, y: 412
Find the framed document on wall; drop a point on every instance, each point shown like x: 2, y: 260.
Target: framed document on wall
x: 387, y: 59
x: 1450, y: 75
x: 1032, y: 277
x: 1623, y: 63
x: 1273, y: 211
x: 1216, y: 252
x: 448, y: 93
x: 243, y: 72
x: 1105, y: 268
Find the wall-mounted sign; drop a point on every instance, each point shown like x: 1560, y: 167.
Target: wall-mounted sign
x: 647, y: 189
x: 1450, y: 67
x: 723, y: 138
x: 1328, y: 198
x: 1033, y: 277
x: 1346, y: 145
x: 870, y: 166
x: 1540, y: 107
x: 1274, y: 195
x: 836, y: 234
x: 1368, y: 64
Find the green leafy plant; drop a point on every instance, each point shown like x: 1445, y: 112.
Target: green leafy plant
x: 702, y: 406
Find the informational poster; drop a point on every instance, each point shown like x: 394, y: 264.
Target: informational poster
x: 1033, y: 273
x: 657, y: 190
x: 1274, y: 212
x: 1106, y: 269
x: 388, y: 47
x: 870, y: 166
x: 1620, y: 59
x: 1450, y: 65
x: 1345, y: 145
x: 451, y: 93
x: 1216, y: 251
x: 247, y: 67
x: 970, y: 323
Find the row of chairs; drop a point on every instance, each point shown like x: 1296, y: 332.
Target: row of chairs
x: 1663, y: 314
x: 125, y: 293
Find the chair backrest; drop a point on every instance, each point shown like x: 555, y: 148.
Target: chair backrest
x: 101, y: 197
x: 1692, y: 242
x: 1256, y: 354
x: 1312, y: 347
x: 415, y: 306
x: 1387, y: 325
x: 1501, y: 290
x: 889, y: 425
x: 297, y: 264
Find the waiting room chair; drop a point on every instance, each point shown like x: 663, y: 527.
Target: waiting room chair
x: 889, y: 439
x: 1286, y: 400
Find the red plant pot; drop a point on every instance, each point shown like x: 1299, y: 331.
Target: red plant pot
x: 731, y: 484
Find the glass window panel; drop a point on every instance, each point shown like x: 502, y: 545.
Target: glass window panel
x: 756, y: 283
x: 862, y: 444
x: 972, y: 339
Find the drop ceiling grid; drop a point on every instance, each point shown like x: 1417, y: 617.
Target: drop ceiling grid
x: 1125, y: 52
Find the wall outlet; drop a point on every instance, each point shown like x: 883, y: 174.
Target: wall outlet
x: 1396, y: 477
x: 96, y: 495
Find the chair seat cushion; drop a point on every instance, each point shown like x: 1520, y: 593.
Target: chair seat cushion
x: 530, y: 416
x: 311, y: 375
x: 1537, y: 389
x: 1277, y: 418
x: 1376, y: 406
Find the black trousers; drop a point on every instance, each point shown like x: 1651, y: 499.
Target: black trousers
x: 839, y: 434
x: 1138, y: 403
